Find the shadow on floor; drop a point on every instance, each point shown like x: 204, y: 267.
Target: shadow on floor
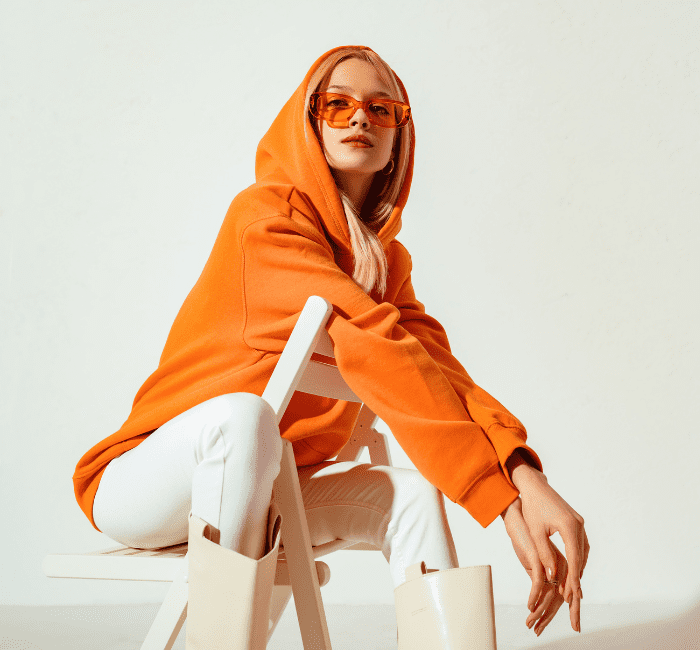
x: 678, y: 632
x: 369, y: 627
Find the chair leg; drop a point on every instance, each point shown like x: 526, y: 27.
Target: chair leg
x: 281, y: 595
x: 171, y: 615
x: 299, y: 555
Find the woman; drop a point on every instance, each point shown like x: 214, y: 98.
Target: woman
x: 332, y: 176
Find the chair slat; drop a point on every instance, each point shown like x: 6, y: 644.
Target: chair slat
x: 335, y: 545
x: 121, y: 567
x: 177, y: 550
x: 325, y: 380
x: 324, y: 345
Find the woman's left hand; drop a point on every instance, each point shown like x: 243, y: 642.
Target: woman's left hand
x: 530, y: 520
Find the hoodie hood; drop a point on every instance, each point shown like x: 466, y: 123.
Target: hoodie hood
x: 286, y: 156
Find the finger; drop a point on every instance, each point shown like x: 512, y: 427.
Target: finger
x: 586, y: 549
x: 573, y: 544
x: 545, y: 602
x: 538, y: 585
x: 526, y: 551
x: 551, y: 591
x: 582, y: 549
x: 548, y: 615
x: 546, y: 553
x: 537, y: 611
x: 575, y: 612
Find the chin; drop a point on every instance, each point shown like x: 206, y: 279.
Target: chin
x: 350, y: 168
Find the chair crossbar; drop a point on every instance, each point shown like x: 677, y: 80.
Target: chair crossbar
x: 324, y: 380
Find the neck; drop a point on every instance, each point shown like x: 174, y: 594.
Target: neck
x: 355, y: 185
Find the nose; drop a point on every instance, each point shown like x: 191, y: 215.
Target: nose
x: 360, y: 117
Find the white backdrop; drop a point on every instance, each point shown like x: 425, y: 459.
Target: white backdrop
x: 553, y: 222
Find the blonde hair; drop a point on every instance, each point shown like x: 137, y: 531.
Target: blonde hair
x: 371, y: 268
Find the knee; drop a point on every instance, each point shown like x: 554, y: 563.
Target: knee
x: 420, y: 489
x: 237, y: 406
x: 238, y: 414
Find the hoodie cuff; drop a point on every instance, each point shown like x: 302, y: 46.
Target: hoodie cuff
x: 505, y: 441
x: 489, y: 496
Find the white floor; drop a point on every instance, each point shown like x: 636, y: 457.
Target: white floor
x: 365, y: 627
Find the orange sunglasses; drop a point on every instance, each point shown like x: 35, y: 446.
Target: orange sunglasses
x: 337, y: 110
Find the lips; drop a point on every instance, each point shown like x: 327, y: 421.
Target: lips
x: 358, y: 141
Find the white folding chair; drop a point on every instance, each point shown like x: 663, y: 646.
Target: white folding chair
x: 298, y: 572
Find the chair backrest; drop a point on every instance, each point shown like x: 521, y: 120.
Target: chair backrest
x: 296, y: 370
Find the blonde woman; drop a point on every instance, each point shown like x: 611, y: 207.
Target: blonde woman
x: 333, y: 174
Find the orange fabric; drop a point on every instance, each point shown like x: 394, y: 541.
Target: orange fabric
x: 283, y: 239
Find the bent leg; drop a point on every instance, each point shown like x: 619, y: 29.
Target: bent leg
x: 218, y: 459
x: 394, y: 508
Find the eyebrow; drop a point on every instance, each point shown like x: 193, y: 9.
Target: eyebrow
x: 379, y: 93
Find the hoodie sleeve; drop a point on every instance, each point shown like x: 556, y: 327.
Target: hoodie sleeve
x: 503, y: 429
x: 285, y: 262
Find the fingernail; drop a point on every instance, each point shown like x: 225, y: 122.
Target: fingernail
x: 580, y: 593
x: 550, y: 573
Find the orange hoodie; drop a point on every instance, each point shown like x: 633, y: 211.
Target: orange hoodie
x: 286, y: 238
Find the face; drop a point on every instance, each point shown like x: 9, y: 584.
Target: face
x: 360, y: 80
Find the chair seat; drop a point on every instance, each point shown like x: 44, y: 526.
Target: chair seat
x: 152, y: 565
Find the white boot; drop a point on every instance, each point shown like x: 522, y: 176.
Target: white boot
x: 441, y: 610
x: 228, y: 593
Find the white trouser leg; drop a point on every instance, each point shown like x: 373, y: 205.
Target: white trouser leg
x: 218, y: 459
x: 394, y: 508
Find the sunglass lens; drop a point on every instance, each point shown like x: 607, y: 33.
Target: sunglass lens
x: 383, y: 114
x: 337, y: 111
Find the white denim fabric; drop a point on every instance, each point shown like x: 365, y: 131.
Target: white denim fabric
x: 220, y: 460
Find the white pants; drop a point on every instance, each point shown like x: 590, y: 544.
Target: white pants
x: 220, y: 460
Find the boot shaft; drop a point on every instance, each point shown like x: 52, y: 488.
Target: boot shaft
x: 229, y: 593
x: 441, y: 610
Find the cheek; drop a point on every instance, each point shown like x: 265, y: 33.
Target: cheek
x: 328, y: 138
x: 387, y: 146
x: 322, y: 131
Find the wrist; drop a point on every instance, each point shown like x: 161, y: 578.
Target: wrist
x: 520, y: 471
x: 503, y: 514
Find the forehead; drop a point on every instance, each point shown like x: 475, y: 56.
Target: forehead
x: 358, y: 76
